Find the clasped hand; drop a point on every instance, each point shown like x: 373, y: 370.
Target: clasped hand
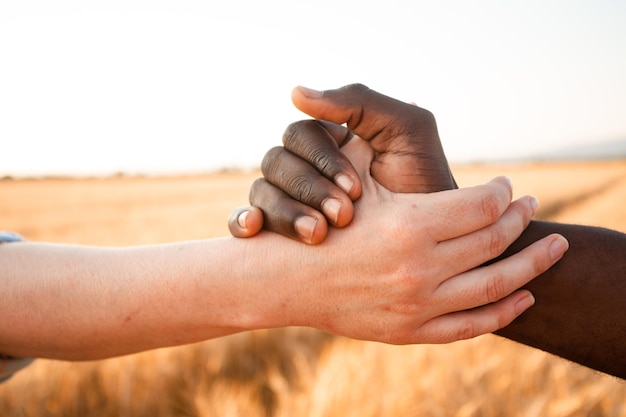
x: 408, y: 267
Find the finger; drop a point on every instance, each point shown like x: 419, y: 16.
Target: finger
x: 465, y: 210
x: 304, y: 183
x: 471, y: 323
x: 245, y: 221
x: 491, y: 283
x: 286, y: 216
x: 473, y: 249
x: 313, y: 142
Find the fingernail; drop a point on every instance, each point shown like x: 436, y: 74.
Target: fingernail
x: 509, y: 181
x: 331, y: 207
x: 558, y: 248
x: 310, y: 93
x: 523, y: 304
x: 534, y: 203
x: 344, y: 182
x: 241, y: 220
x: 305, y: 225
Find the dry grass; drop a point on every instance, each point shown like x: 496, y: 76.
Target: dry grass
x: 298, y: 372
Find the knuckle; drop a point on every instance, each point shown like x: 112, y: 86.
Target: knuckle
x: 355, y: 88
x: 258, y: 183
x: 498, y: 242
x: 322, y: 160
x: 466, y: 331
x: 427, y: 117
x: 300, y: 187
x: 540, y: 263
x: 495, y: 288
x: 256, y: 189
x: 426, y: 122
x: 290, y: 132
x: 309, y: 140
x: 490, y: 206
x: 295, y: 132
x: 271, y: 162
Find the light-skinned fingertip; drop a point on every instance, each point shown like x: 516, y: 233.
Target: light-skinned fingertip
x: 558, y: 247
x: 524, y: 303
x: 305, y: 226
x: 242, y: 219
x: 310, y: 93
x: 344, y: 182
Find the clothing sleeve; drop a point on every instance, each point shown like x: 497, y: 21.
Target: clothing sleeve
x: 10, y: 365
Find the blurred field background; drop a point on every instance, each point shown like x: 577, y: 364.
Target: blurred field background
x: 298, y: 372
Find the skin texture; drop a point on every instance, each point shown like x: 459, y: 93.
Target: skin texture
x: 579, y: 314
x: 397, y: 275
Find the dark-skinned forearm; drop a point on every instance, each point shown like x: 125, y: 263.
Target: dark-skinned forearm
x: 580, y: 310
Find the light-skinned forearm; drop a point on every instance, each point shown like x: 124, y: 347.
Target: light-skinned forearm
x: 77, y: 303
x: 579, y: 312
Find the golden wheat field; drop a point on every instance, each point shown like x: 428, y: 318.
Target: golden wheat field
x: 296, y: 371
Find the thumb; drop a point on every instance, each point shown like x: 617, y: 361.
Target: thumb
x: 364, y: 111
x: 409, y: 156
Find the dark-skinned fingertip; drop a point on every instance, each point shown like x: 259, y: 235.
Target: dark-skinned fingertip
x: 344, y: 182
x: 331, y: 208
x: 305, y: 226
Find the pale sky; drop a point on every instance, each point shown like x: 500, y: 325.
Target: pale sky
x: 184, y: 86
